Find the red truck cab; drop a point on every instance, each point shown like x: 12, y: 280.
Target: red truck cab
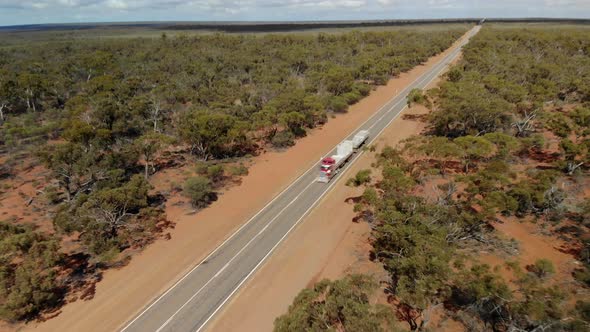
x: 327, y: 167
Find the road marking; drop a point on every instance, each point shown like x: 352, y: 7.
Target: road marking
x: 443, y: 63
x: 222, y: 269
x: 312, y: 168
x: 230, y: 261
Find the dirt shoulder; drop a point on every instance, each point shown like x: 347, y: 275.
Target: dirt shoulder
x: 329, y: 243
x: 123, y: 293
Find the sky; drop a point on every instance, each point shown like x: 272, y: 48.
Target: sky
x: 16, y: 12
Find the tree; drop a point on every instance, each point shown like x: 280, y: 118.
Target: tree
x: 575, y: 155
x: 337, y: 305
x: 104, y: 213
x: 339, y: 80
x: 505, y: 144
x: 524, y: 125
x: 156, y: 112
x: 208, y: 133
x: 70, y: 165
x: 474, y: 149
x: 294, y: 121
x: 32, y: 86
x: 439, y: 148
x: 484, y: 293
x: 149, y: 145
x: 8, y: 96
x: 468, y: 108
x: 28, y: 272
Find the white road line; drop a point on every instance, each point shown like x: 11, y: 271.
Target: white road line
x: 346, y: 167
x: 277, y: 196
x: 230, y: 261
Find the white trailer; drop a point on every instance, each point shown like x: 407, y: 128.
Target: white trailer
x: 360, y: 138
x: 331, y: 165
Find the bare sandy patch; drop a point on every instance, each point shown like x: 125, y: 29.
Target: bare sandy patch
x: 21, y: 196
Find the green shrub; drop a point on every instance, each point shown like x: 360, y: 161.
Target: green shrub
x: 455, y: 74
x: 583, y: 309
x: 28, y: 272
x: 501, y: 202
x: 199, y: 190
x: 362, y: 89
x: 339, y: 305
x: 201, y: 167
x: 283, y: 139
x: 238, y: 170
x: 215, y: 173
x: 338, y: 104
x: 416, y: 96
x: 352, y: 97
x: 361, y: 177
x: 583, y: 275
x: 543, y: 268
x: 52, y: 195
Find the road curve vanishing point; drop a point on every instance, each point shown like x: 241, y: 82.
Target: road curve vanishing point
x: 189, y: 304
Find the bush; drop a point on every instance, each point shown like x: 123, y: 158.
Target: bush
x: 283, y: 139
x: 501, y: 202
x: 455, y: 74
x: 201, y: 168
x: 416, y: 96
x: 583, y: 309
x: 215, y: 173
x: 199, y: 190
x: 352, y: 97
x: 52, y: 195
x: 362, y: 177
x: 340, y: 305
x: 28, y: 272
x: 238, y: 170
x: 362, y: 88
x: 543, y: 268
x: 583, y: 275
x: 338, y: 104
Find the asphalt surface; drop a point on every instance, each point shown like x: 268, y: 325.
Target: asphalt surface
x: 190, y: 303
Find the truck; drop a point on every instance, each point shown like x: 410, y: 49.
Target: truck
x: 330, y: 166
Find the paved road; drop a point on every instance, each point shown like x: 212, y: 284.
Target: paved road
x: 195, y: 299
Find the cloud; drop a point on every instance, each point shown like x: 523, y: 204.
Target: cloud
x: 568, y: 3
x: 134, y: 4
x: 117, y: 4
x: 52, y: 11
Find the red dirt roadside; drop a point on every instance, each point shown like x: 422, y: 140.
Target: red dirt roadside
x: 123, y: 293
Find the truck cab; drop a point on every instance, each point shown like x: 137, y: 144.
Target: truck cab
x: 326, y: 169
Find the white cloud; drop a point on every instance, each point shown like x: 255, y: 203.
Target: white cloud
x: 568, y: 3
x: 117, y: 4
x: 39, y: 5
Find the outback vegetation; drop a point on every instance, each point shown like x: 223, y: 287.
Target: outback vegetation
x: 507, y: 143
x: 98, y: 117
